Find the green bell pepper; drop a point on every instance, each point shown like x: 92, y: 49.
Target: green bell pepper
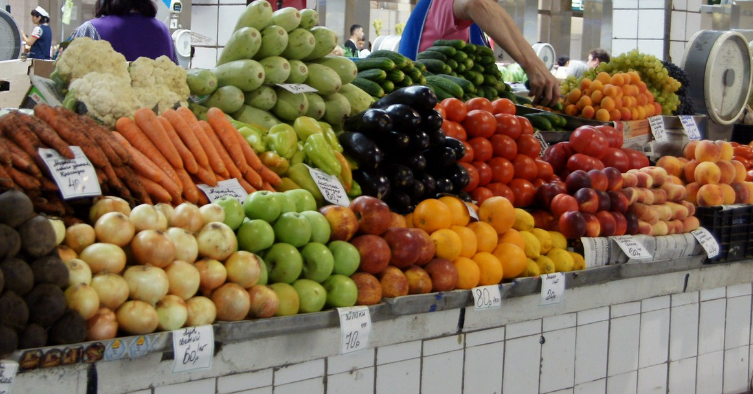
x: 299, y: 156
x: 355, y: 190
x: 282, y: 140
x: 320, y: 153
x: 305, y: 126
x: 331, y: 136
x: 254, y: 138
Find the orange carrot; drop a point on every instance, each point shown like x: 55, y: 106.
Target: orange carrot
x: 221, y: 152
x: 253, y: 178
x: 206, y: 176
x: 212, y: 156
x: 70, y: 134
x: 125, y: 157
x: 203, y: 200
x: 6, y: 181
x: 5, y: 157
x: 48, y: 185
x: 251, y: 158
x: 188, y: 160
x: 146, y: 168
x: 101, y: 177
x: 188, y: 136
x: 248, y: 188
x: 25, y: 181
x: 269, y: 176
x: 190, y: 191
x: 18, y: 132
x: 20, y: 162
x: 53, y: 207
x: 47, y: 135
x: 227, y: 135
x: 269, y: 187
x: 92, y: 134
x: 114, y: 182
x: 153, y: 129
x: 131, y: 181
x: 157, y: 192
x: 131, y: 131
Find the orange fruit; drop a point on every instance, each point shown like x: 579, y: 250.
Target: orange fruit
x: 409, y: 220
x: 431, y: 215
x: 467, y: 240
x: 447, y: 244
x: 602, y: 115
x: 468, y: 273
x: 398, y: 220
x: 499, y: 212
x: 585, y: 83
x: 460, y: 215
x: 574, y: 96
x: 597, y: 96
x: 512, y: 236
x: 486, y: 236
x: 596, y: 85
x: 604, y: 78
x: 513, y: 259
x: 490, y: 269
x: 618, y: 80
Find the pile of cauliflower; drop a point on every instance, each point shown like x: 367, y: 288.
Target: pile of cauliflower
x: 100, y: 77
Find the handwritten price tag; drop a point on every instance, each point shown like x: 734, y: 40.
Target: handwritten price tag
x: 542, y: 142
x: 486, y: 297
x: 75, y: 178
x: 330, y: 186
x: 229, y: 187
x: 8, y: 371
x: 657, y: 128
x: 297, y: 87
x: 707, y: 241
x: 552, y: 288
x: 193, y: 348
x: 691, y: 127
x: 355, y: 326
x: 472, y: 212
x: 632, y: 248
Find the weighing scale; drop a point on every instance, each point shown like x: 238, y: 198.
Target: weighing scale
x: 723, y: 59
x: 546, y: 53
x: 10, y: 37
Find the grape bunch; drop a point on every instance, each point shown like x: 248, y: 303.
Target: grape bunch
x: 685, y: 107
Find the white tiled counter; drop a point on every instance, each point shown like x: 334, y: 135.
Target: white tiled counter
x: 681, y: 332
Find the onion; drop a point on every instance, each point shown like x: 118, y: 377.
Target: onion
x: 78, y: 272
x: 213, y: 274
x: 183, y: 279
x: 166, y: 210
x: 145, y: 217
x: 59, y: 228
x: 83, y: 299
x: 186, y: 247
x: 103, y: 257
x: 172, y: 312
x: 137, y: 318
x: 101, y: 326
x: 154, y: 248
x: 243, y: 268
x: 66, y: 253
x: 232, y: 302
x: 212, y: 213
x: 79, y: 236
x: 264, y: 301
x: 114, y: 228
x: 188, y: 217
x: 108, y: 204
x: 112, y: 290
x: 162, y: 222
x: 146, y: 283
x: 201, y: 311
x: 216, y: 241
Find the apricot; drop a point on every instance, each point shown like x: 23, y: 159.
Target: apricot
x: 689, y: 205
x: 690, y: 223
x: 671, y: 164
x: 728, y: 192
x: 739, y: 171
x: 707, y: 173
x: 688, y: 151
x: 726, y: 149
x: 708, y: 151
x: 710, y: 195
x: 727, y: 171
x: 673, y: 180
x: 689, y: 170
x: 742, y: 193
x: 692, y: 189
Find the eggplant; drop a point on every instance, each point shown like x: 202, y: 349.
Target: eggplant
x: 371, y: 121
x: 401, y: 176
x: 436, y: 137
x: 416, y: 162
x: 400, y: 202
x: 430, y: 185
x: 404, y: 118
x: 361, y: 149
x: 393, y: 140
x: 439, y: 158
x: 444, y: 185
x: 373, y: 183
x: 457, y: 146
x: 421, y: 98
x: 419, y: 141
x: 431, y: 120
x: 465, y: 196
x: 418, y: 190
x: 459, y: 177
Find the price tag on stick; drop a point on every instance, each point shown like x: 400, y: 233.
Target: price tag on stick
x: 75, y: 178
x: 632, y: 248
x: 542, y: 142
x: 8, y: 371
x: 330, y: 186
x: 691, y: 127
x: 707, y: 241
x: 229, y: 187
x: 552, y: 288
x: 486, y: 297
x: 193, y: 348
x: 355, y: 327
x: 297, y: 87
x: 657, y: 128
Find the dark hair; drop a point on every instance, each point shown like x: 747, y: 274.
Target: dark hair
x: 354, y: 28
x: 563, y: 60
x: 44, y: 18
x: 600, y: 54
x: 124, y: 7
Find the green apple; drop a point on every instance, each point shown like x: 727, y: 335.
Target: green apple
x: 347, y: 258
x: 284, y: 263
x: 264, y: 275
x: 320, y: 230
x: 286, y: 203
x: 317, y: 262
x: 262, y: 205
x: 342, y: 291
x: 293, y: 228
x: 255, y: 235
x: 289, y: 300
x: 304, y: 200
x: 233, y: 211
x: 311, y: 294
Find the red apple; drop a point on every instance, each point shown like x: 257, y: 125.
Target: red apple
x: 373, y: 214
x: 393, y: 282
x: 427, y: 247
x: 405, y: 246
x: 607, y: 223
x: 419, y: 281
x: 588, y: 200
x: 593, y: 227
x: 342, y: 221
x: 374, y: 251
x: 444, y: 275
x: 369, y: 288
x: 577, y: 180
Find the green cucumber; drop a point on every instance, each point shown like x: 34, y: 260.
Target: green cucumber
x: 460, y: 56
x: 432, y: 65
x: 468, y: 63
x: 539, y: 121
x: 370, y: 87
x: 431, y: 55
x: 478, y: 68
x: 388, y: 86
x: 377, y: 62
x: 461, y: 68
x: 453, y: 64
x: 446, y: 69
x: 399, y: 60
x: 439, y: 92
x: 457, y: 44
x: 484, y: 50
x: 414, y: 74
x: 523, y: 100
x: 446, y: 85
x: 375, y: 74
x: 476, y: 78
x: 465, y: 84
x: 447, y: 51
x: 490, y: 80
x: 485, y: 60
x: 395, y: 75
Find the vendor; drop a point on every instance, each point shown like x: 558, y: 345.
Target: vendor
x: 131, y: 28
x: 596, y: 57
x: 467, y: 20
x: 40, y: 40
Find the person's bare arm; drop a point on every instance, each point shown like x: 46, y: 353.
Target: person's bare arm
x: 29, y: 40
x: 498, y: 24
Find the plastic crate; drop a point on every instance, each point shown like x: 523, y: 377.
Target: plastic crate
x: 731, y: 227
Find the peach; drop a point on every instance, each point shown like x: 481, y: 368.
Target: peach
x: 728, y: 193
x: 750, y: 188
x: 644, y: 212
x: 710, y: 195
x: 690, y: 223
x: 674, y: 180
x: 614, y: 178
x: 645, y: 196
x: 644, y: 179
x: 599, y: 180
x: 671, y: 164
x: 689, y: 205
x: 692, y: 189
x: 562, y: 203
x: 629, y: 180
x: 605, y: 203
x: 665, y: 212
x: 576, y: 180
x: 632, y: 224
x: 727, y: 170
x: 708, y: 151
x: 674, y: 192
x: 725, y: 148
x: 618, y: 202
x: 689, y: 171
x: 620, y: 223
x: 593, y: 227
x: 742, y: 193
x: 572, y: 225
x: 707, y: 173
x: 543, y: 219
x: 631, y: 193
x: 660, y: 196
x: 645, y: 228
x: 683, y: 161
x: 688, y: 151
x: 658, y: 175
x: 607, y: 223
x: 660, y: 228
x: 679, y: 211
x: 675, y: 227
x: 739, y: 171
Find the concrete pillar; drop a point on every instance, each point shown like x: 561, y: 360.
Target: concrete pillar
x: 357, y: 13
x: 555, y: 27
x: 597, y: 26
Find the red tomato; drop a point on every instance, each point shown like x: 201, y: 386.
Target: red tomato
x: 503, y: 106
x: 557, y: 156
x: 455, y: 109
x: 589, y: 141
x: 468, y: 153
x: 484, y: 172
x: 637, y: 159
x: 545, y: 171
x: 502, y: 190
x: 480, y: 194
x: 745, y: 162
x: 480, y: 124
x: 525, y: 167
x: 504, y: 146
x: 508, y: 125
x: 472, y: 175
x: 439, y: 108
x: 614, y: 137
x: 528, y: 145
x: 482, y: 148
x: 523, y: 191
x: 480, y: 103
x: 502, y: 170
x: 525, y: 125
x: 617, y: 159
x: 579, y: 161
x: 450, y: 129
x: 749, y: 177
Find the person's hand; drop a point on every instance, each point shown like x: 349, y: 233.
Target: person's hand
x: 544, y: 87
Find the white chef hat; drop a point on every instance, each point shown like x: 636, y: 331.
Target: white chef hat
x: 42, y: 12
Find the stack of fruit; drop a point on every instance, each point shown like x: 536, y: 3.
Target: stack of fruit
x: 744, y: 154
x: 622, y: 96
x: 384, y: 71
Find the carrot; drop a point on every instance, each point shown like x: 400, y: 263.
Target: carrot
x: 21, y: 163
x: 157, y: 192
x: 53, y: 207
x: 19, y: 132
x: 248, y: 188
x: 253, y: 178
x: 131, y: 131
x: 102, y: 143
x: 47, y: 135
x: 206, y: 176
x: 101, y: 177
x: 48, y: 185
x: 203, y: 200
x: 221, y: 152
x: 125, y: 157
x: 153, y: 129
x: 188, y: 160
x: 146, y: 168
x: 186, y: 133
x: 190, y: 191
x: 269, y: 187
x: 212, y: 156
x: 227, y: 135
x: 5, y: 157
x: 69, y: 133
x: 128, y: 177
x: 269, y: 176
x: 6, y: 181
x: 251, y: 158
x: 25, y: 181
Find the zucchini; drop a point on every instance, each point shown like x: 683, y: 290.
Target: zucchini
x: 446, y: 85
x: 399, y: 60
x: 486, y: 60
x: 395, y: 75
x: 439, y: 92
x: 465, y: 84
x: 432, y: 65
x: 478, y: 68
x: 453, y: 64
x: 378, y: 62
x: 414, y: 74
x: 489, y: 80
x: 432, y: 55
x: 461, y: 68
x: 370, y: 87
x: 460, y: 56
x: 375, y: 74
x: 388, y: 86
x: 447, y: 51
x: 457, y: 44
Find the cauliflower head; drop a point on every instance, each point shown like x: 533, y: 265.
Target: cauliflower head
x: 107, y: 97
x: 159, y: 82
x: 84, y: 56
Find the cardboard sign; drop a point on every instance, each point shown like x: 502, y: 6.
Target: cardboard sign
x: 75, y: 178
x: 486, y: 297
x: 707, y: 241
x: 8, y: 371
x: 552, y: 288
x: 229, y: 187
x: 632, y: 248
x: 193, y: 348
x: 330, y: 186
x: 690, y: 126
x: 657, y: 128
x: 355, y: 328
x: 297, y: 87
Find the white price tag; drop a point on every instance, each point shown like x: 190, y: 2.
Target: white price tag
x: 297, y: 87
x: 193, y: 348
x: 75, y: 178
x: 486, y: 297
x: 657, y: 128
x: 596, y: 251
x: 330, y: 186
x: 690, y: 126
x: 632, y: 248
x: 542, y: 142
x: 472, y: 212
x: 8, y: 371
x: 355, y: 326
x: 229, y: 187
x: 552, y: 288
x: 707, y: 241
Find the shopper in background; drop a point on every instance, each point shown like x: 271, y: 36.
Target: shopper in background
x: 468, y: 20
x: 40, y: 40
x: 356, y: 34
x: 131, y: 28
x: 597, y: 56
x: 576, y: 68
x: 562, y: 61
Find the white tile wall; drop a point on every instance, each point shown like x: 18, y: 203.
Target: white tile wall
x: 399, y: 352
x: 694, y: 5
x: 682, y: 376
x: 616, y: 4
x: 628, y: 20
x: 626, y: 383
x: 522, y: 369
x: 443, y: 345
x: 736, y: 370
x: 657, y: 4
x: 656, y: 303
x: 591, y: 345
x: 350, y: 361
x: 680, y: 299
x: 557, y: 360
x: 205, y: 386
x: 693, y: 23
x: 680, y: 5
x: 483, y: 368
x: 737, y: 328
x: 518, y: 330
x: 623, y: 345
x: 195, y: 2
x: 676, y: 51
x: 593, y: 315
x: 225, y: 29
x: 677, y: 27
x: 623, y: 46
x: 683, y: 336
x: 595, y: 387
x: 652, y: 47
x: 311, y: 386
x: 204, y: 58
x: 711, y: 326
x: 443, y: 373
x: 709, y: 375
x: 360, y: 381
x: 204, y: 21
x: 263, y: 390
x: 739, y: 290
x: 559, y: 322
x: 653, y: 380
x: 244, y: 381
x: 651, y: 24
x: 400, y: 377
x: 243, y: 2
x: 713, y: 294
x: 298, y: 372
x: 654, y: 338
x: 626, y: 309
x: 483, y: 337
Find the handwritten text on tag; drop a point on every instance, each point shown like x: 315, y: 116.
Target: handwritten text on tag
x: 632, y: 248
x: 8, y: 371
x: 707, y: 241
x: 330, y: 186
x: 229, y: 187
x: 355, y: 327
x: 691, y: 127
x: 193, y: 348
x: 75, y: 178
x: 297, y: 88
x: 486, y: 297
x: 657, y: 128
x: 552, y: 288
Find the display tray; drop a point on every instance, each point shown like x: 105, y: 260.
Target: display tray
x: 572, y: 121
x: 553, y: 137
